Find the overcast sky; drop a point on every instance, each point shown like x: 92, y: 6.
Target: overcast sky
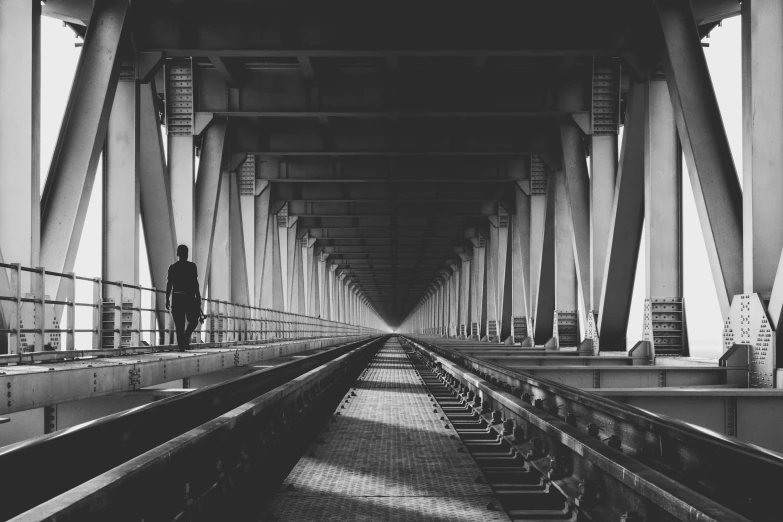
x: 59, y: 58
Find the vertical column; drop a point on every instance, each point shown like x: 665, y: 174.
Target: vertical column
x: 520, y: 268
x: 247, y: 190
x: 262, y: 243
x: 180, y: 152
x: 20, y: 107
x: 663, y: 306
x: 566, y: 316
x: 496, y: 272
x: 220, y: 263
x: 478, y: 299
x: 762, y: 114
x: 542, y: 251
x: 238, y: 274
x: 464, y: 297
x: 454, y: 301
x: 605, y: 115
x: 121, y: 198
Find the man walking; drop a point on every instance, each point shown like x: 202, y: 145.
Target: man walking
x: 183, y: 284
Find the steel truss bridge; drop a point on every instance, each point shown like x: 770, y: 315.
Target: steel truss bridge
x: 476, y: 178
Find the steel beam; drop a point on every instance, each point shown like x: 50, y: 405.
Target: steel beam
x: 520, y: 261
x: 157, y: 216
x: 542, y: 249
x: 262, y: 237
x: 626, y: 228
x: 577, y: 190
x: 762, y: 105
x: 219, y: 273
x: 663, y: 195
x: 121, y: 197
x: 20, y: 107
x: 240, y: 287
x: 208, y: 191
x: 707, y: 152
x: 72, y: 171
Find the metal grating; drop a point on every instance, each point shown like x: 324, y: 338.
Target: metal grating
x: 566, y: 328
x: 519, y: 328
x: 606, y: 96
x: 179, y: 97
x: 492, y: 328
x: 247, y: 177
x: 538, y: 177
x: 282, y: 217
x: 663, y: 324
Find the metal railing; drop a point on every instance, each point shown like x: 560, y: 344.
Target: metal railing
x: 34, y: 322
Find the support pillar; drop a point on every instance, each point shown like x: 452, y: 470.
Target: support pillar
x: 464, y: 296
x: 664, y: 318
x: 478, y: 279
x: 542, y: 251
x: 261, y: 232
x: 220, y: 254
x: 626, y: 229
x: 240, y: 288
x: 20, y: 107
x: 71, y: 176
x: 566, y: 315
x: 762, y: 115
x: 208, y: 191
x: 520, y: 269
x: 121, y: 205
x: 496, y: 273
x: 181, y: 153
x: 708, y: 155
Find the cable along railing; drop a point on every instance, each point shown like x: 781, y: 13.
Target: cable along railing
x: 112, y: 317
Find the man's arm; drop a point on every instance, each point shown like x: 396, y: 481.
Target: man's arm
x: 195, y: 277
x: 168, y: 290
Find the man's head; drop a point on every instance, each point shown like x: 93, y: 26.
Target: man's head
x: 182, y: 252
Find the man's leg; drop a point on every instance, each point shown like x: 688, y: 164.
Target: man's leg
x: 193, y: 314
x: 178, y: 312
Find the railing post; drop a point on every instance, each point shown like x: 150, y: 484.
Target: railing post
x: 97, y: 313
x: 39, y: 294
x: 15, y: 321
x: 70, y: 298
x: 153, y: 316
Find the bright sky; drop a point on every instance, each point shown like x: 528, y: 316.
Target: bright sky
x: 60, y: 56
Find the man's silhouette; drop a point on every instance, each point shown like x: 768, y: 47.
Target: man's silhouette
x: 183, y: 284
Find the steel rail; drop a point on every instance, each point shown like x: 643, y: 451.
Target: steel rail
x: 224, y: 464
x: 739, y: 476
x: 90, y: 449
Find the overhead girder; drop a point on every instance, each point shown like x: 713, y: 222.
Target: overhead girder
x: 409, y: 137
x: 557, y: 28
x: 403, y: 169
x: 391, y: 209
x: 359, y: 192
x: 363, y: 222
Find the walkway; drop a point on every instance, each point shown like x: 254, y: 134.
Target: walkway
x: 387, y: 457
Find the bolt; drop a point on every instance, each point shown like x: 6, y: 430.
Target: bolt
x: 491, y: 506
x: 460, y: 450
x: 447, y: 426
x: 508, y: 426
x: 519, y: 434
x: 615, y: 442
x: 592, y: 429
x: 571, y: 419
x: 497, y: 417
x: 539, y: 403
x: 479, y: 479
x: 527, y: 398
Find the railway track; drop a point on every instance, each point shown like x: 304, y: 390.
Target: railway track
x: 92, y: 449
x: 579, y: 456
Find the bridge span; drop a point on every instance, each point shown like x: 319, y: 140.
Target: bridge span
x: 416, y: 227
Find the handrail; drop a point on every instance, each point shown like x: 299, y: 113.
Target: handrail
x: 32, y: 319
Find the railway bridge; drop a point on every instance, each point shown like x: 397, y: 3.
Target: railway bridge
x: 417, y: 227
